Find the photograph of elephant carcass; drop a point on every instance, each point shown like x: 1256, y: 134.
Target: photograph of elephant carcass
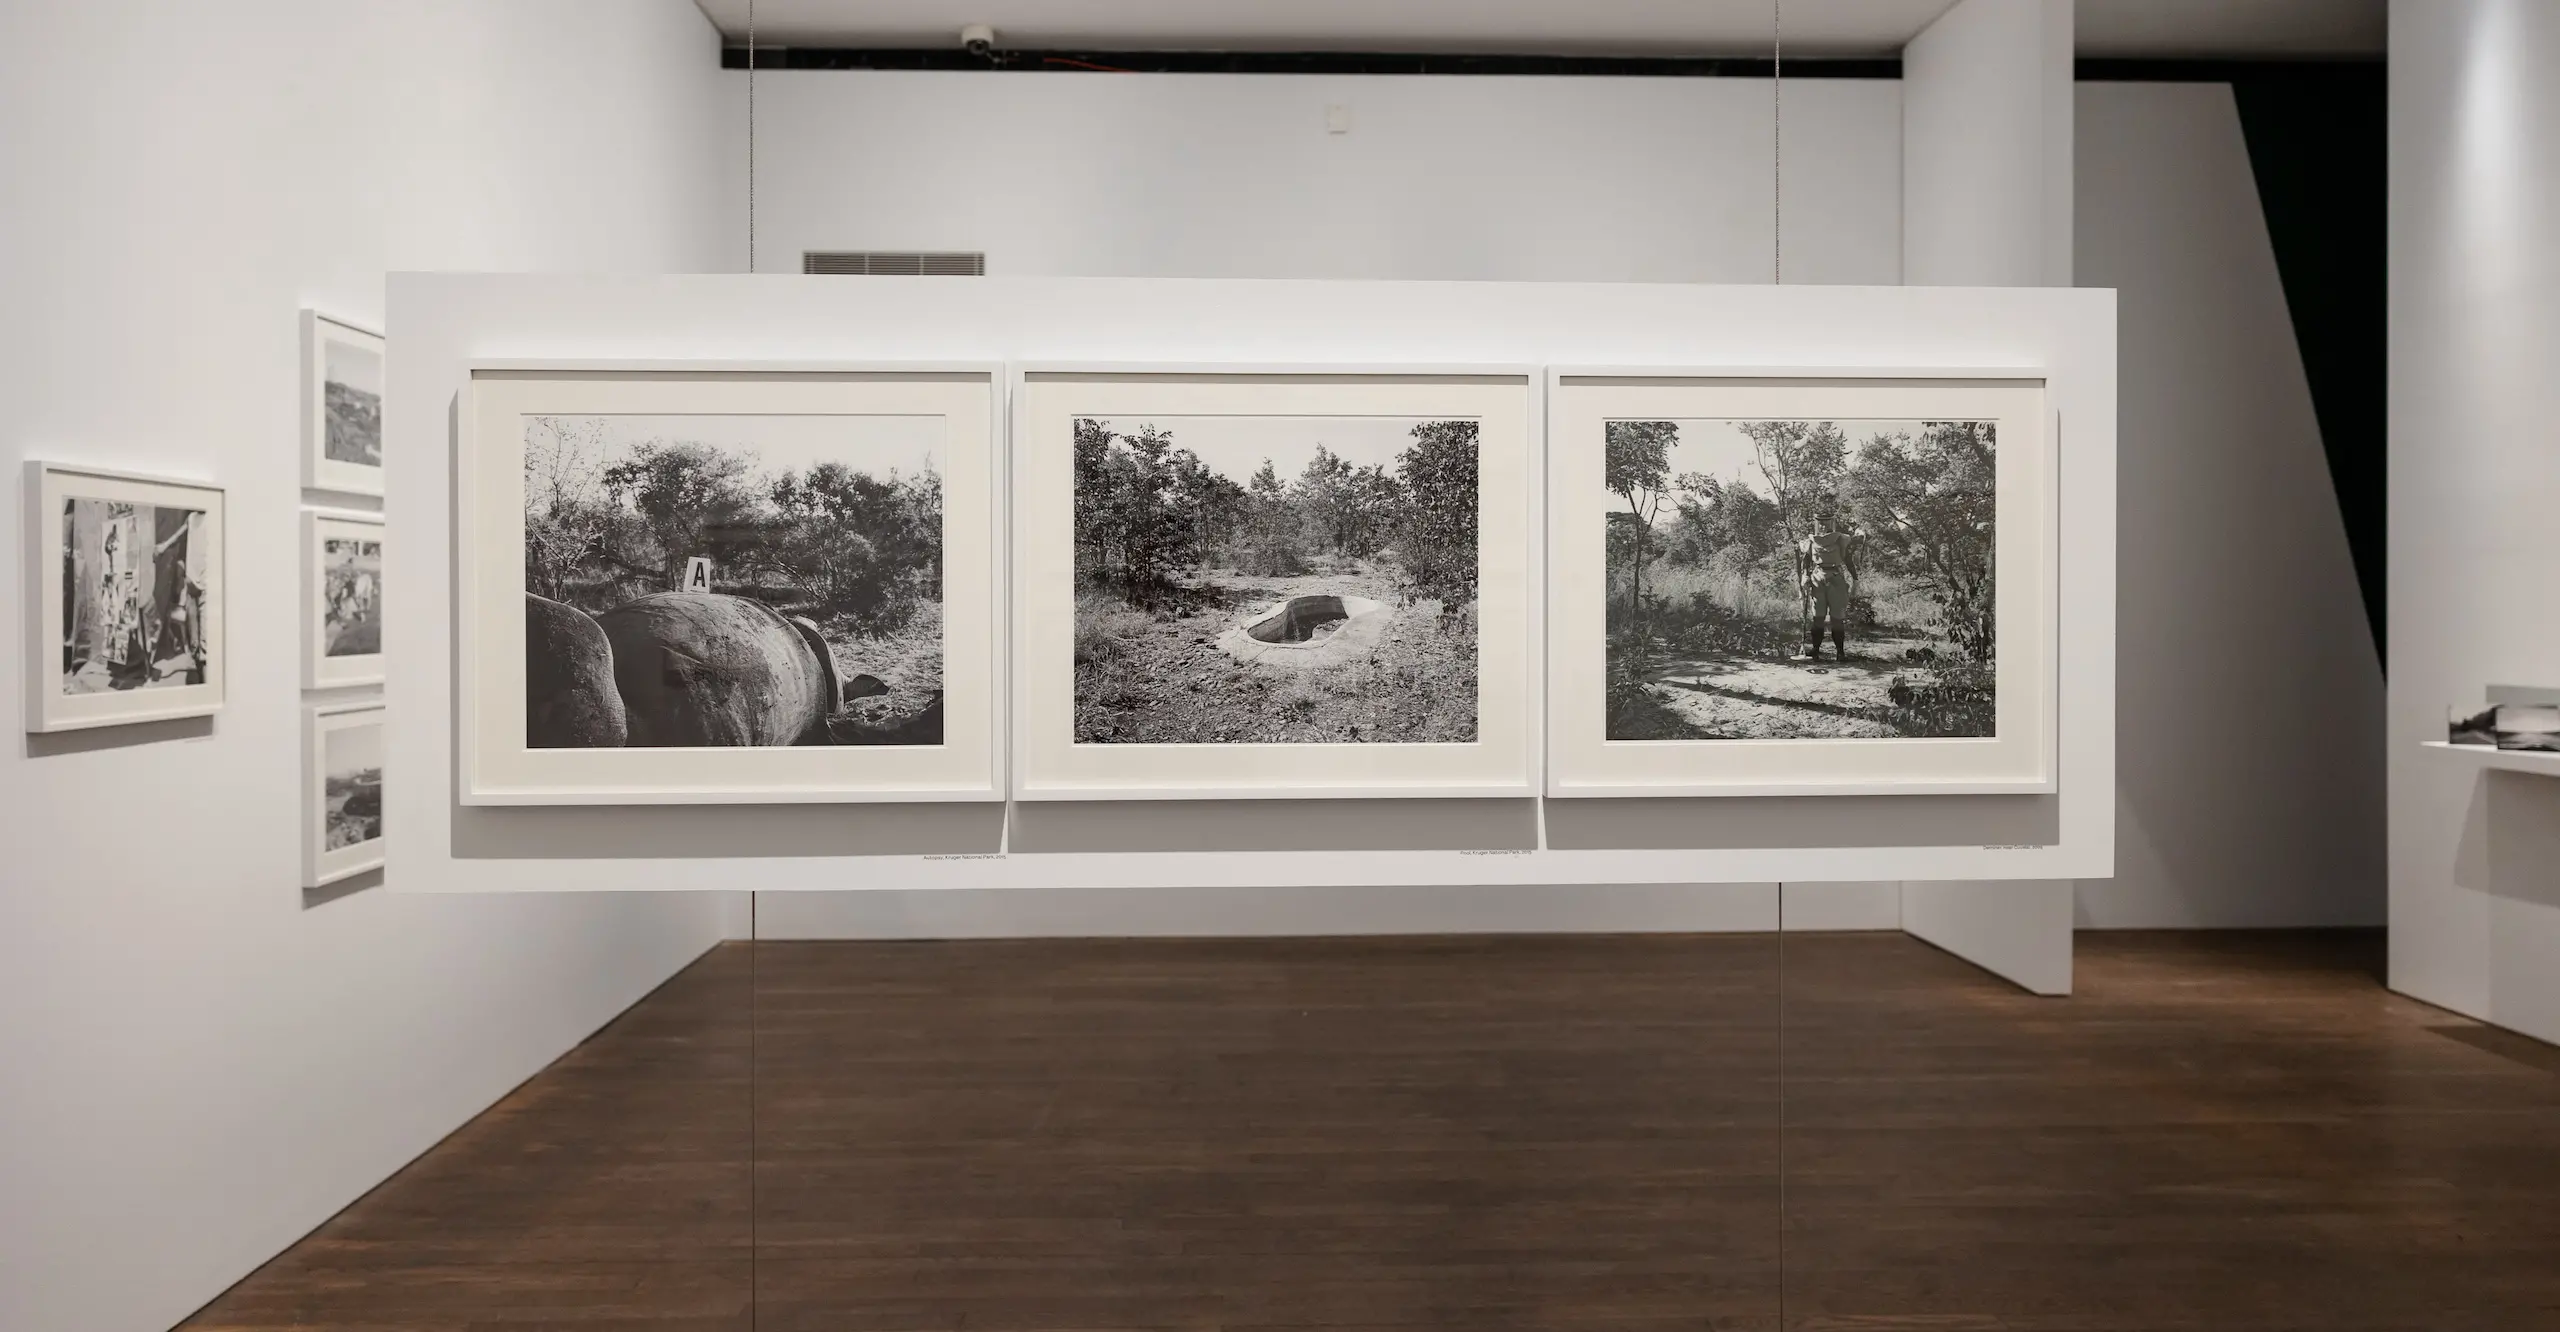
x: 1779, y: 580
x: 716, y: 580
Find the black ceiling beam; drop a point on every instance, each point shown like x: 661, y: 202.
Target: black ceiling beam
x: 1308, y: 62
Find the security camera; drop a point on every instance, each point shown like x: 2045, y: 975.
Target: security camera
x: 979, y: 40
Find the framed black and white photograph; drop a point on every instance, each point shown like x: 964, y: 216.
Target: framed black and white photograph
x: 730, y: 586
x: 342, y: 599
x: 342, y: 370
x: 125, y: 601
x: 341, y: 791
x: 1273, y: 584
x: 1800, y: 586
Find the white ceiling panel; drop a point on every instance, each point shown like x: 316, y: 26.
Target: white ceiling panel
x: 1525, y: 27
x: 2225, y: 29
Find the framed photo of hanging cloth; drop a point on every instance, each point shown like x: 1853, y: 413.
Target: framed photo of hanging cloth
x: 125, y: 601
x: 1816, y: 583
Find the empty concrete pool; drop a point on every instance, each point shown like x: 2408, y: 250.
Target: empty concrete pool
x: 1307, y: 631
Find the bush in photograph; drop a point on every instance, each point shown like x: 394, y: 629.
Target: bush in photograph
x: 858, y: 551
x: 1930, y: 502
x: 1435, y: 539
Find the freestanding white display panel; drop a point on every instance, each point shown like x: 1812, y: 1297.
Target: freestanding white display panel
x: 445, y: 324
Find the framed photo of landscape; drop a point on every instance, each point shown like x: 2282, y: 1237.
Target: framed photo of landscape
x: 124, y: 598
x: 1247, y: 582
x: 341, y: 791
x: 685, y: 584
x: 1810, y: 583
x: 341, y: 599
x: 342, y: 370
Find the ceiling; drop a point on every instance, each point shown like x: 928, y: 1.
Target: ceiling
x: 2226, y: 29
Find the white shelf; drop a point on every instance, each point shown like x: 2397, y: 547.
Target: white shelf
x: 2509, y: 760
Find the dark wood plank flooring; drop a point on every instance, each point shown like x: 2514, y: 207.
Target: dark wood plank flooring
x: 2221, y: 1131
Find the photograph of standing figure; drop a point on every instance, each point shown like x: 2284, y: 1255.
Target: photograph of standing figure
x: 353, y: 611
x: 1275, y: 579
x: 1771, y: 579
x: 132, y: 596
x: 341, y: 598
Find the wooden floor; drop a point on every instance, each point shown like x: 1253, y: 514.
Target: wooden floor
x: 2226, y: 1132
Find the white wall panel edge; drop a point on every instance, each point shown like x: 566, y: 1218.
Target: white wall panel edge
x: 2020, y: 931
x: 1312, y: 910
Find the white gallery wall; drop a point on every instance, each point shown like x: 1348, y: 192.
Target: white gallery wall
x: 2231, y: 533
x: 1459, y: 177
x: 2249, y: 752
x: 199, y: 1069
x: 2475, y: 470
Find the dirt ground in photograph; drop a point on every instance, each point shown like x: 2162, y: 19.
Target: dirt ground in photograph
x: 1740, y: 675
x: 907, y: 659
x: 1154, y: 675
x: 1736, y: 697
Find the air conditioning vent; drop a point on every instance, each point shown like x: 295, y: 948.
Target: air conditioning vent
x: 891, y: 263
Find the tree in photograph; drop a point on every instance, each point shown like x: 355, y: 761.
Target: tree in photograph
x: 1347, y: 508
x: 1435, y: 540
x: 1094, y: 506
x: 1719, y: 515
x: 1131, y: 507
x: 1803, y: 463
x: 575, y: 532
x: 1213, y: 505
x: 862, y: 545
x: 1324, y: 492
x: 1273, y: 535
x: 1635, y: 466
x: 1936, y: 498
x: 694, y: 499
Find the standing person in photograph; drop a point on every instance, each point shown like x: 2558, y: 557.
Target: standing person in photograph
x: 1826, y: 579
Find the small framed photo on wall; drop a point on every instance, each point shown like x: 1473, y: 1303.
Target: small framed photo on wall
x: 341, y: 791
x: 125, y: 604
x: 341, y: 599
x: 341, y: 406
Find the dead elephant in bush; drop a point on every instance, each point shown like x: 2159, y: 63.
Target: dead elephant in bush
x: 703, y: 668
x: 694, y: 669
x: 570, y: 700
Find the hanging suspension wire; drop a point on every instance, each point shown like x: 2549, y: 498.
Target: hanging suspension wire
x: 751, y: 135
x: 1777, y: 146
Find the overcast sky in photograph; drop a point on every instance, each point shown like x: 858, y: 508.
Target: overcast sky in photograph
x: 1720, y: 449
x: 352, y: 749
x: 876, y: 445
x: 1236, y: 446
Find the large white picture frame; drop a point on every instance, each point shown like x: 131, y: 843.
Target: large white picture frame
x: 2004, y: 745
x: 342, y: 813
x: 124, y: 597
x: 1238, y: 406
x: 342, y: 382
x: 342, y: 555
x: 767, y: 417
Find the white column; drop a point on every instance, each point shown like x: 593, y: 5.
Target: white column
x: 1986, y: 147
x: 1986, y: 202
x: 2475, y: 466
